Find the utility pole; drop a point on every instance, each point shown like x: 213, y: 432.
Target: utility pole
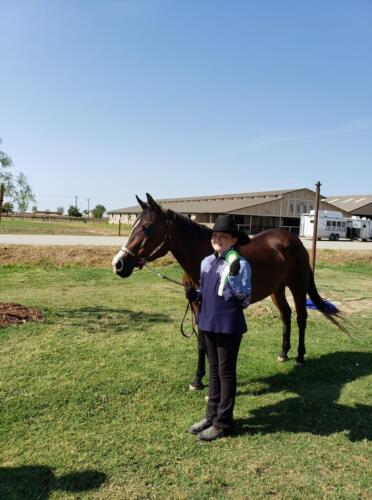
x: 2, y: 190
x: 76, y: 201
x: 315, y: 228
x: 88, y: 200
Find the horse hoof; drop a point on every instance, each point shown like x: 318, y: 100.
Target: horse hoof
x: 196, y: 387
x: 282, y: 359
x: 300, y: 364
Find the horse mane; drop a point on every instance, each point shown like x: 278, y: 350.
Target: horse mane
x: 190, y: 228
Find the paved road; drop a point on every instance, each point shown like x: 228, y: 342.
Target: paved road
x: 28, y: 239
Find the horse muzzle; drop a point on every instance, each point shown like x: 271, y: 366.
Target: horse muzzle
x: 123, y: 264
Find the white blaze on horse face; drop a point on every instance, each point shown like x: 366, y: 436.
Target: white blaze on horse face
x: 118, y: 257
x: 134, y: 225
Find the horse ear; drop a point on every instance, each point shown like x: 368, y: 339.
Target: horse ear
x: 142, y: 203
x: 151, y: 201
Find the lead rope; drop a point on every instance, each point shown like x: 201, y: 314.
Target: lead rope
x: 163, y: 277
x: 193, y: 329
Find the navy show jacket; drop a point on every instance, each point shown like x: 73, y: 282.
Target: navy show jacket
x: 223, y: 314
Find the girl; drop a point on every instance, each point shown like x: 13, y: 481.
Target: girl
x: 225, y: 289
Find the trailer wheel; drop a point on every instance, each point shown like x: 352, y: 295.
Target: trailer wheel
x: 332, y: 237
x: 337, y: 237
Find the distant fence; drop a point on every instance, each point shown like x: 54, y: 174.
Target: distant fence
x: 51, y: 218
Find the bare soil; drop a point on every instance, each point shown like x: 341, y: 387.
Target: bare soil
x: 62, y: 256
x: 12, y: 314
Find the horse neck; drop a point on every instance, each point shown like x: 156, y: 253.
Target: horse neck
x: 189, y: 244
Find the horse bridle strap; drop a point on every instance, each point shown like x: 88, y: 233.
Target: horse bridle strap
x: 128, y: 251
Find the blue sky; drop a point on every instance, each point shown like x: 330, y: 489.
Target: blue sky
x: 111, y: 98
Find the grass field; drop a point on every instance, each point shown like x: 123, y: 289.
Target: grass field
x: 19, y: 226
x: 94, y: 401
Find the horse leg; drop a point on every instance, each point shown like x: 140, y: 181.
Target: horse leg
x: 281, y: 303
x: 299, y: 297
x: 200, y: 370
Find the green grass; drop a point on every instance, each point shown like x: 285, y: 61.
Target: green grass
x: 94, y: 401
x: 19, y: 226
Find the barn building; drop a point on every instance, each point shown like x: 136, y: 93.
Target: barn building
x: 360, y: 205
x: 253, y: 212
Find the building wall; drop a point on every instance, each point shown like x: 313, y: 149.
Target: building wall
x: 124, y: 218
x: 292, y: 204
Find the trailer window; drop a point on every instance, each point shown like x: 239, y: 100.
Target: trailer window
x: 329, y: 223
x: 338, y: 223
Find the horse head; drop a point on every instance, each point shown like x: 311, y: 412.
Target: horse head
x: 147, y: 240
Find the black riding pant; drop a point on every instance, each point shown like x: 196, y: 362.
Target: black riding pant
x: 222, y: 351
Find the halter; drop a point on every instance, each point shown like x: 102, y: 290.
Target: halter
x: 142, y: 260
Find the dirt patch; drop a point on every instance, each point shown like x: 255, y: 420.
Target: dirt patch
x: 355, y: 305
x: 12, y: 314
x: 64, y: 256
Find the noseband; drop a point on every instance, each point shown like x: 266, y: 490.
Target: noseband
x: 141, y: 260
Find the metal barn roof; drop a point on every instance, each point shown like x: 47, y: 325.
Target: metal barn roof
x: 350, y: 202
x: 203, y: 206
x: 221, y: 203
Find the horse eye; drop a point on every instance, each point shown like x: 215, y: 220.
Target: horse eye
x: 146, y: 229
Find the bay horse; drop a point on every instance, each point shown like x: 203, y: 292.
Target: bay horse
x: 277, y: 257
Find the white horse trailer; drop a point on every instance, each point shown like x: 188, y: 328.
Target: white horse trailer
x: 332, y: 225
x: 361, y: 228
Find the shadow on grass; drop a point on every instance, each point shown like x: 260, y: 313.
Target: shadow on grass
x: 315, y: 410
x: 98, y: 318
x: 38, y: 482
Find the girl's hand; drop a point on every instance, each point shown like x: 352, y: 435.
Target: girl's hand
x: 191, y: 294
x: 235, y: 268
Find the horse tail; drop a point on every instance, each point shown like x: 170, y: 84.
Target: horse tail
x: 325, y: 307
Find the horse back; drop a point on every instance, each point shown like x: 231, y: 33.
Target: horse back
x: 274, y: 256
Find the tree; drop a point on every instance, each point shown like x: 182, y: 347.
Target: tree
x: 34, y: 208
x: 60, y: 210
x: 8, y: 207
x: 6, y: 178
x: 74, y: 212
x: 23, y: 194
x: 17, y: 189
x: 98, y: 211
